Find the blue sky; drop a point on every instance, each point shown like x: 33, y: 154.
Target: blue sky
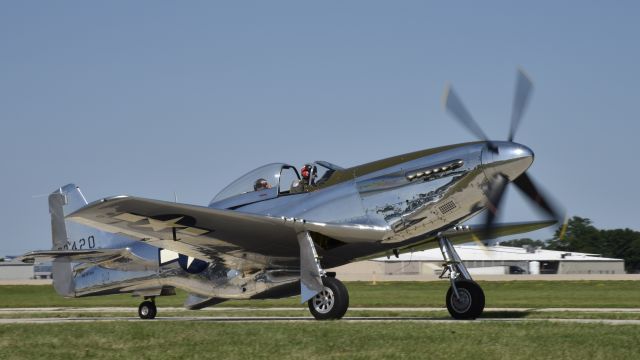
x: 152, y: 98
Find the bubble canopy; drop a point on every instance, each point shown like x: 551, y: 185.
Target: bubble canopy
x: 246, y: 183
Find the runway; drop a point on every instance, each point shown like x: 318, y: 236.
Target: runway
x: 289, y: 319
x: 40, y: 315
x: 40, y: 310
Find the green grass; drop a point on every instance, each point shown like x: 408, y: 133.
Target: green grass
x: 530, y: 294
x: 340, y: 340
x: 334, y: 340
x: 353, y: 313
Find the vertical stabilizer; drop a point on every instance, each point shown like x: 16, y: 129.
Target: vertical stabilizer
x: 61, y: 202
x: 58, y: 228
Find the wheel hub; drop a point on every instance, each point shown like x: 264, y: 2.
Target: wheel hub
x: 462, y: 303
x: 324, y: 300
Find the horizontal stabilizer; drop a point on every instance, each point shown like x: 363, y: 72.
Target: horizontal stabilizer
x: 121, y: 259
x: 73, y: 255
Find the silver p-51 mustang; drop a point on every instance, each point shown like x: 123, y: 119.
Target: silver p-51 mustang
x: 272, y: 232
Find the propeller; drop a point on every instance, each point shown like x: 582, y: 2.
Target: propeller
x: 498, y: 183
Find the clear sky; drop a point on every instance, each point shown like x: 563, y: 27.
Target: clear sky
x: 152, y: 98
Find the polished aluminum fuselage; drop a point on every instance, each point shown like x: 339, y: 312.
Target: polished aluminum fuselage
x: 413, y: 196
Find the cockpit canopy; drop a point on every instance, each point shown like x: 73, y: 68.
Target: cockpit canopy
x: 247, y: 182
x: 279, y: 178
x: 322, y: 172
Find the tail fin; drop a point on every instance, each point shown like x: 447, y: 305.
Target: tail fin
x: 62, y: 202
x: 67, y: 235
x: 65, y: 198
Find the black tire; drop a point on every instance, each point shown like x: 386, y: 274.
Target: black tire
x: 471, y: 302
x: 147, y: 310
x: 331, y: 303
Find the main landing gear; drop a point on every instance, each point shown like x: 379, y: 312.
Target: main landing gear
x: 332, y: 302
x: 465, y: 298
x: 147, y: 309
x: 326, y: 296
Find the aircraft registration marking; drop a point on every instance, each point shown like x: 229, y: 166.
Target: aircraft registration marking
x: 88, y: 243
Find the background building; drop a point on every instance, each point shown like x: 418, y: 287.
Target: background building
x: 11, y: 269
x: 15, y: 270
x: 494, y: 260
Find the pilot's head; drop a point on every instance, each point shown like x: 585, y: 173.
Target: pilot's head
x: 306, y: 171
x: 261, y: 184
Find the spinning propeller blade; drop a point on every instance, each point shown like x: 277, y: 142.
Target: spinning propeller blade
x: 524, y: 86
x: 495, y: 195
x: 497, y: 189
x: 528, y: 187
x: 453, y: 104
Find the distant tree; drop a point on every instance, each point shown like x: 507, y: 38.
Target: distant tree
x: 523, y: 242
x: 622, y: 243
x: 580, y: 235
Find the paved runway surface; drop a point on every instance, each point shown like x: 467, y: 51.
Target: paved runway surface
x: 278, y: 319
x: 21, y: 312
x: 272, y: 309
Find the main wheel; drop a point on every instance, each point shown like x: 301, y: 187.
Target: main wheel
x: 147, y: 310
x: 469, y: 304
x: 332, y: 302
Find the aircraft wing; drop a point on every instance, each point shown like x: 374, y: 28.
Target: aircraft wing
x: 207, y: 233
x: 477, y: 232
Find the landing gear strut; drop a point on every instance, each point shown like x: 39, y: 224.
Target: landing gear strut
x: 326, y: 296
x: 147, y: 309
x: 465, y: 298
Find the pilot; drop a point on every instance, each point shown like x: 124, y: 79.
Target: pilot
x: 303, y: 184
x: 261, y: 184
x: 306, y: 174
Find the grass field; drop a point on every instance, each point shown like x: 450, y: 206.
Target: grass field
x: 312, y: 340
x: 337, y: 339
x: 532, y: 294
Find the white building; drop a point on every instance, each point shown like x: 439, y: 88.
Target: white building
x: 11, y: 269
x: 15, y: 270
x: 491, y: 260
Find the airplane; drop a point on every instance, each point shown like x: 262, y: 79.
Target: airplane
x: 272, y: 232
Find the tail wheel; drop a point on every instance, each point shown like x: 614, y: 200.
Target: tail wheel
x: 147, y: 310
x: 332, y: 302
x: 469, y: 303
